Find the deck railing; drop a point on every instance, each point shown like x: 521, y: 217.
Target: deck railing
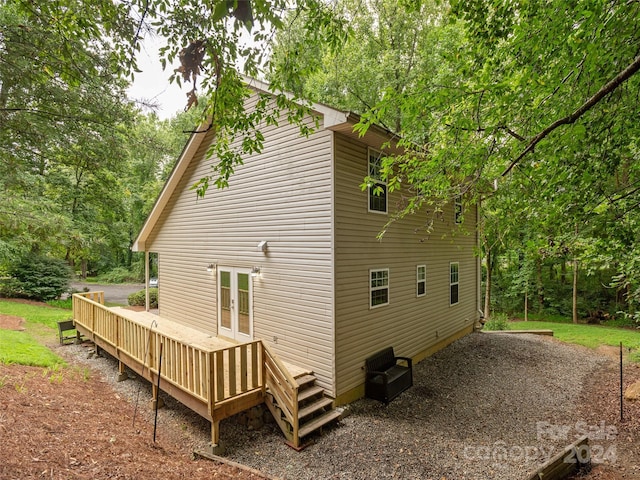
x: 284, y: 389
x: 216, y: 383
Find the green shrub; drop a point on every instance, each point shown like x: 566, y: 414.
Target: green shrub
x: 138, y: 298
x: 497, y: 321
x: 38, y: 278
x: 10, y: 288
x: 119, y: 275
x: 67, y: 303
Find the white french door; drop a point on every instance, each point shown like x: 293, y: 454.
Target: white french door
x: 235, y: 309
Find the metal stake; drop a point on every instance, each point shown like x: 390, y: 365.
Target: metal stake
x: 155, y: 420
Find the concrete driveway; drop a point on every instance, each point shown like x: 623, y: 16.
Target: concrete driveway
x: 113, y: 294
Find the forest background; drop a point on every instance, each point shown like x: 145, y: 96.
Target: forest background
x: 530, y: 108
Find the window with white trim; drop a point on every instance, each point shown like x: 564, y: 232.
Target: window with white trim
x: 421, y: 280
x: 377, y: 188
x: 457, y: 209
x: 454, y: 282
x: 378, y: 287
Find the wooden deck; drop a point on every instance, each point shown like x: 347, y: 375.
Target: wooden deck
x: 192, y: 337
x: 214, y: 377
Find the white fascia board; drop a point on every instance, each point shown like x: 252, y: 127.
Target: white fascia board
x: 332, y: 117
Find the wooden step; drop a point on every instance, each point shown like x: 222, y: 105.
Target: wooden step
x: 309, y: 392
x: 305, y: 380
x: 314, y: 407
x: 318, y: 422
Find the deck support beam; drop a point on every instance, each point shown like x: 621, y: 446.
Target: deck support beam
x: 155, y: 398
x: 214, y: 447
x: 215, y: 432
x: 122, y: 373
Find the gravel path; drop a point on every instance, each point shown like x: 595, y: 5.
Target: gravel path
x: 484, y: 407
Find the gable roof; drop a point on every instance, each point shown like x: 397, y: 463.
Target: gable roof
x: 335, y: 120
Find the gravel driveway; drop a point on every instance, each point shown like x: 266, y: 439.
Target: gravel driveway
x: 489, y: 406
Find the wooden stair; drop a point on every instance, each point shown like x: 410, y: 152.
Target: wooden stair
x: 315, y: 410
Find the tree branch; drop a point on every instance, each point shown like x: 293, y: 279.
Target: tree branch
x: 623, y: 76
x: 498, y: 127
x: 46, y: 114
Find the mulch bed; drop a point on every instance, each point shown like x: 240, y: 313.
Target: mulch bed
x: 70, y: 424
x: 600, y: 406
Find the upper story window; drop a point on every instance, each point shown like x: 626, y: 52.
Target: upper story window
x: 457, y: 209
x: 454, y: 282
x: 378, y: 287
x: 421, y: 280
x: 377, y: 188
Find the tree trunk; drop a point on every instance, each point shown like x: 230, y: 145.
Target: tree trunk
x: 539, y: 285
x: 487, y: 285
x: 526, y: 305
x: 575, y: 291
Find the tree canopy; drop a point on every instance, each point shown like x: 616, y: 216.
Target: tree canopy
x: 530, y: 106
x: 77, y: 161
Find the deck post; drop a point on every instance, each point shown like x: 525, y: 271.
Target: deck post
x: 92, y: 322
x: 215, y: 432
x: 122, y: 373
x: 211, y: 391
x: 147, y: 299
x: 264, y: 370
x: 214, y: 447
x: 155, y: 398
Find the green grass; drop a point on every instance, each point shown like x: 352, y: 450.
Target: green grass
x: 621, y: 322
x: 25, y: 347
x: 591, y: 336
x: 46, y: 316
x: 22, y: 348
x: 544, y: 317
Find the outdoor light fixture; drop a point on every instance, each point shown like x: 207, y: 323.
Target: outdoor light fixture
x: 211, y: 267
x: 255, y: 271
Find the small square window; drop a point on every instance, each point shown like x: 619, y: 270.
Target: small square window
x: 377, y: 188
x: 421, y: 280
x: 454, y: 282
x: 378, y: 287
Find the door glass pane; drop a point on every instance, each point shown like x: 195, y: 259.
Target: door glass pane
x: 225, y: 299
x: 243, y: 304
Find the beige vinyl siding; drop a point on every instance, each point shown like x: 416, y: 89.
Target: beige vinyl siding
x: 283, y: 196
x: 410, y: 324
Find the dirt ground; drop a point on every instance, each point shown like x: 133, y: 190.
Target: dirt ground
x: 600, y: 406
x: 11, y: 322
x: 71, y: 424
